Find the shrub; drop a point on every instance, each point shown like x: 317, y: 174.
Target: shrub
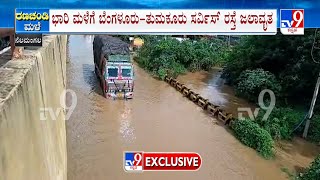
x: 288, y: 58
x: 281, y: 122
x: 252, y: 82
x: 162, y: 72
x: 169, y: 56
x: 167, y: 66
x: 313, y: 172
x: 314, y: 131
x: 250, y: 134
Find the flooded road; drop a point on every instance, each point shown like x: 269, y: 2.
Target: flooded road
x: 157, y: 119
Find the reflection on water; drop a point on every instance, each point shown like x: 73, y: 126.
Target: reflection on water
x: 212, y: 87
x: 126, y: 128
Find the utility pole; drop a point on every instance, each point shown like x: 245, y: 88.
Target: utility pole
x: 313, y: 102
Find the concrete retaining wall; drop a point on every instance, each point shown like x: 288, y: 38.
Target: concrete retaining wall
x: 30, y: 148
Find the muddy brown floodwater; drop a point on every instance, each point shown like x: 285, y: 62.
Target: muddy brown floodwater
x: 157, y: 119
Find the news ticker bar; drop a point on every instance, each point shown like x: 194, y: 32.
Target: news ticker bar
x: 28, y: 40
x: 215, y: 21
x: 135, y: 161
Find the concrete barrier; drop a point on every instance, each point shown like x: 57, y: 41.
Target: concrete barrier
x: 30, y: 148
x: 167, y: 79
x: 186, y: 92
x: 203, y: 102
x: 173, y: 83
x: 224, y: 116
x: 193, y: 96
x: 213, y: 109
x: 179, y: 86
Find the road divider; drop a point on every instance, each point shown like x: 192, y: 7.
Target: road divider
x: 210, y: 108
x: 179, y: 86
x: 186, y: 91
x: 203, y: 102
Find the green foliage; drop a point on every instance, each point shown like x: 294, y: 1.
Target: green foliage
x: 252, y: 82
x: 281, y: 122
x: 314, y: 131
x: 283, y: 64
x: 250, y: 134
x: 161, y: 55
x: 313, y: 172
x: 162, y: 73
x: 287, y: 57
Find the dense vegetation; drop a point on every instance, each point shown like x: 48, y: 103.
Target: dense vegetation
x: 285, y: 122
x: 313, y: 172
x: 169, y: 56
x: 252, y: 82
x: 284, y: 64
x: 282, y: 122
x: 252, y: 135
x: 288, y: 58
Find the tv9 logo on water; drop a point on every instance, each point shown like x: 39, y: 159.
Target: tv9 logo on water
x: 267, y: 106
x: 51, y: 113
x: 292, y: 21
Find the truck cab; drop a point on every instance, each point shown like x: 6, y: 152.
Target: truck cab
x: 119, y: 77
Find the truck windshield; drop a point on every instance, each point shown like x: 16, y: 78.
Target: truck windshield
x: 126, y: 71
x: 112, y: 72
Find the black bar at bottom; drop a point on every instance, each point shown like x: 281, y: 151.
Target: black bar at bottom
x: 28, y: 39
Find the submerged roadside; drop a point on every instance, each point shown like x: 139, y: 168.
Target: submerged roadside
x: 157, y: 119
x: 167, y: 56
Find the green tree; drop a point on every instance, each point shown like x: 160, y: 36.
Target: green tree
x: 287, y: 57
x: 169, y: 56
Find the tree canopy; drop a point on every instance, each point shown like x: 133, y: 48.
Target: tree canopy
x: 289, y: 58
